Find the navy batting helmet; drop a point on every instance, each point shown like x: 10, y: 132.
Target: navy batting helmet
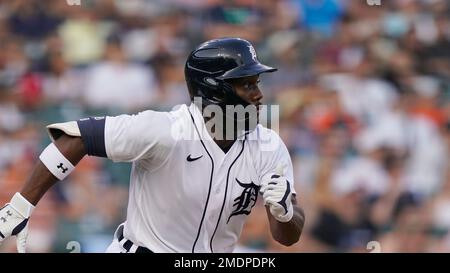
x: 214, y: 62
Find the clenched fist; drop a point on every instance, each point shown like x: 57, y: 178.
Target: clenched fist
x: 277, y: 194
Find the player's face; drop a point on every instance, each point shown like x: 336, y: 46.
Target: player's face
x: 247, y: 88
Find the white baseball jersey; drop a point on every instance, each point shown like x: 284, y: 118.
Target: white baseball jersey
x: 186, y: 194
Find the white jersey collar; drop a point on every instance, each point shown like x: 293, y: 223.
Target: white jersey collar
x: 201, y: 126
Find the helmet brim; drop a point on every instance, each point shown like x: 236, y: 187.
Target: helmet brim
x: 247, y: 71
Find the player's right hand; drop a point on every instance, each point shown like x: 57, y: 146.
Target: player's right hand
x: 14, y: 221
x: 277, y: 194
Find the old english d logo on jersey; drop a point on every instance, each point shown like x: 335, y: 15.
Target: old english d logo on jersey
x: 246, y: 201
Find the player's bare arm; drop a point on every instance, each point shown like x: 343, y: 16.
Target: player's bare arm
x: 56, y: 161
x: 41, y: 179
x: 286, y: 217
x: 287, y: 233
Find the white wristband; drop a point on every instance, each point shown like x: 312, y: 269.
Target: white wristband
x: 56, y: 162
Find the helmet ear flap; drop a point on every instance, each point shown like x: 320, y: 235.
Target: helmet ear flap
x: 232, y: 97
x: 216, y: 93
x: 223, y: 93
x: 227, y: 88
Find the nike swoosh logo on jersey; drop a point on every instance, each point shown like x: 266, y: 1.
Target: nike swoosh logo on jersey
x: 190, y: 159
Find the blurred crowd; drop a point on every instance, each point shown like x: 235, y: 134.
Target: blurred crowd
x: 364, y: 94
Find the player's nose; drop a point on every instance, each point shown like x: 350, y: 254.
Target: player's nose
x: 257, y: 97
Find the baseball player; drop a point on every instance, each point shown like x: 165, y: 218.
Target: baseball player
x: 191, y: 188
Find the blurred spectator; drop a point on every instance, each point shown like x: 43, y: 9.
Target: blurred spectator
x: 83, y: 36
x: 319, y: 16
x: 33, y: 19
x: 62, y: 82
x: 117, y: 84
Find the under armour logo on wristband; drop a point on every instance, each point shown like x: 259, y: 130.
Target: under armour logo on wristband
x: 8, y: 213
x: 61, y: 166
x: 56, y: 162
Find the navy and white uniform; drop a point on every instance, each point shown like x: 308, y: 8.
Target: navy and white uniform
x: 186, y: 194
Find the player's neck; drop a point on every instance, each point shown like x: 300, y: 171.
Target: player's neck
x: 220, y: 136
x: 225, y: 145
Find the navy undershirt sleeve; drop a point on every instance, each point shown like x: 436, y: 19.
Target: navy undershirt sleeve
x: 93, y: 135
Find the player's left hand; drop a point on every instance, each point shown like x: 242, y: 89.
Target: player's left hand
x: 14, y: 221
x: 277, y: 195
